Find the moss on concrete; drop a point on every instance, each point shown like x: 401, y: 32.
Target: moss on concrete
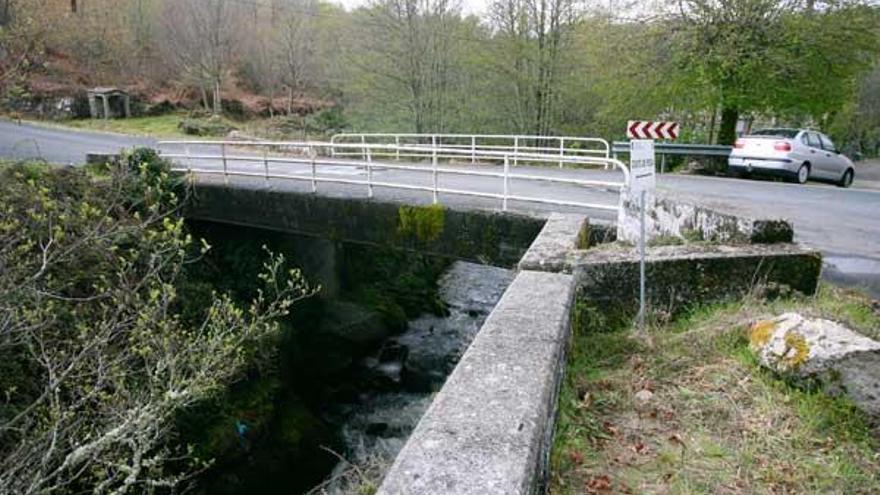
x: 425, y: 223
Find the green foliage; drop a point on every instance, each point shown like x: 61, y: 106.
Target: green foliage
x: 425, y: 223
x: 212, y: 126
x: 89, y: 273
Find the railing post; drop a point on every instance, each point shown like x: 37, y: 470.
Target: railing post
x: 434, y: 172
x: 397, y: 146
x: 561, y: 150
x: 506, y: 178
x: 363, y: 147
x: 266, y: 163
x: 515, y: 150
x: 473, y: 149
x: 663, y: 163
x: 314, y: 171
x: 188, y: 159
x: 369, y: 173
x: 434, y: 146
x: 225, y: 172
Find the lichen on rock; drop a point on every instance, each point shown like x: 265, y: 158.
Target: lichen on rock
x: 814, y: 350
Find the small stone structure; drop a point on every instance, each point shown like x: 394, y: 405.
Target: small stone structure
x: 823, y: 352
x: 110, y: 99
x: 695, y: 220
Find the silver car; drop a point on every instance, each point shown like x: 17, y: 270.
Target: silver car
x: 797, y: 154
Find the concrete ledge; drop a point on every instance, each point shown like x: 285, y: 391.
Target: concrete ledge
x: 697, y: 219
x: 680, y: 276
x: 489, y: 428
x: 475, y: 235
x: 562, y: 234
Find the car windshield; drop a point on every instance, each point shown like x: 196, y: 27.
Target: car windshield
x: 784, y: 133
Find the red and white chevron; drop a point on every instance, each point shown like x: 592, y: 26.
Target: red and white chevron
x: 645, y: 129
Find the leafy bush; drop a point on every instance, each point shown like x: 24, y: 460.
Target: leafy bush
x: 213, y: 126
x: 99, y: 351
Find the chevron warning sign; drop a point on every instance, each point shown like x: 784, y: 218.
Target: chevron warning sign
x: 645, y: 129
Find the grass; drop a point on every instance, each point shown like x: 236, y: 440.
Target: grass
x: 716, y: 422
x: 158, y: 126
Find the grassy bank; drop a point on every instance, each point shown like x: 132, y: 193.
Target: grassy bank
x: 158, y: 126
x: 685, y: 408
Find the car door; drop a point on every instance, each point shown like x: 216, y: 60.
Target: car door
x: 815, y: 154
x: 835, y: 165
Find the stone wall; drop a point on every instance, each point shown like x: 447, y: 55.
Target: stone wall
x: 682, y: 276
x: 494, y: 238
x: 692, y: 219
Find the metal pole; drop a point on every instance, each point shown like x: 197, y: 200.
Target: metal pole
x: 663, y: 163
x: 188, y: 159
x: 515, y: 150
x: 473, y: 149
x: 266, y: 163
x: 369, y: 174
x: 363, y: 146
x: 561, y: 150
x: 434, y: 172
x: 314, y: 171
x: 397, y: 145
x: 642, y: 264
x: 506, y: 174
x: 225, y: 173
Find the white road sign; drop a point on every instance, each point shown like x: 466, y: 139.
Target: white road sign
x: 641, y: 163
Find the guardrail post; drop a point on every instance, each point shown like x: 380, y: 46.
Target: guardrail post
x: 397, y: 146
x: 266, y: 163
x: 369, y: 173
x: 473, y: 149
x: 662, y: 163
x: 363, y: 146
x: 561, y: 150
x: 225, y: 172
x: 314, y: 170
x: 434, y: 172
x: 515, y: 150
x: 506, y: 178
x: 188, y: 159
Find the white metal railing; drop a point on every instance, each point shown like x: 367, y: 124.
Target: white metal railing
x: 304, y: 161
x: 548, y: 145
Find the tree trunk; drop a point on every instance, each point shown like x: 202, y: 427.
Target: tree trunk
x: 218, y: 102
x: 712, y: 125
x: 205, y: 97
x: 727, y: 130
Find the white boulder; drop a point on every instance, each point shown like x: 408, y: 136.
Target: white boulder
x: 822, y: 351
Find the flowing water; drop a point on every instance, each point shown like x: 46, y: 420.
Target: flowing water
x: 411, y: 366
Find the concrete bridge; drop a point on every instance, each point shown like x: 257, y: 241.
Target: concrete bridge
x: 489, y: 429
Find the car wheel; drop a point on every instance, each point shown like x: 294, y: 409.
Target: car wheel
x: 847, y: 178
x: 803, y: 174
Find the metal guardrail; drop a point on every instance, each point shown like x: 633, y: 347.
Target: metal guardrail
x: 307, y: 158
x: 549, y: 145
x: 663, y: 149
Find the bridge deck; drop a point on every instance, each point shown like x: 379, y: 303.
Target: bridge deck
x: 211, y: 171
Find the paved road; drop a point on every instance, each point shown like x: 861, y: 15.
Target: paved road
x: 843, y: 223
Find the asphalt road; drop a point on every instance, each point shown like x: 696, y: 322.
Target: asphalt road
x: 843, y: 223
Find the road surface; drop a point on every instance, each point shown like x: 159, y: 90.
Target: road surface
x: 843, y: 223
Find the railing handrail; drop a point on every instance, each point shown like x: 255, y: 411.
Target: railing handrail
x: 678, y: 149
x: 425, y: 148
x: 368, y: 150
x: 605, y: 150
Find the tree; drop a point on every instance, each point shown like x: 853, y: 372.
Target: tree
x: 96, y: 355
x: 203, y: 37
x: 772, y: 55
x: 531, y: 37
x: 409, y: 47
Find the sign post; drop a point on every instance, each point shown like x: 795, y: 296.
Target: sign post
x: 643, y: 180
